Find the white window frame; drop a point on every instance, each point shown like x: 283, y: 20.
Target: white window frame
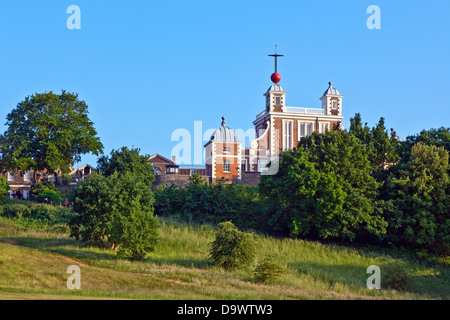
x: 322, y: 128
x: 306, y: 124
x: 227, y: 163
x: 334, y: 104
x: 11, y: 175
x: 226, y: 150
x: 278, y: 101
x: 287, y: 134
x: 27, y: 175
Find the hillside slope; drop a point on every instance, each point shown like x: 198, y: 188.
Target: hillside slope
x: 34, y: 262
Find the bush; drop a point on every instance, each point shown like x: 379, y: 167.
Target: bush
x: 54, y: 196
x: 41, y: 186
x: 267, y: 270
x: 232, y: 248
x: 16, y: 210
x: 396, y: 277
x: 35, y: 215
x: 213, y: 204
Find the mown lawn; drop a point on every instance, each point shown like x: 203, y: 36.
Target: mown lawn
x: 35, y: 262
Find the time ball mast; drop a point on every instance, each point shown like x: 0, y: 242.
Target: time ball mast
x: 275, y: 77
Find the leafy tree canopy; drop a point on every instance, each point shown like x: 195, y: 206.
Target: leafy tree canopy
x: 127, y: 160
x: 48, y: 131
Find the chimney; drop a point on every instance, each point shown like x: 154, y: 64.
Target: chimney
x: 173, y: 159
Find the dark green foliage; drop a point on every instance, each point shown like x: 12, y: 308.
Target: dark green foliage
x: 92, y: 203
x: 232, y: 248
x: 127, y: 160
x: 4, y: 188
x: 16, y: 210
x: 396, y: 277
x: 267, y: 270
x: 53, y: 196
x: 436, y: 137
x: 117, y: 208
x: 136, y: 232
x: 40, y: 186
x: 420, y: 196
x: 213, y: 204
x: 48, y: 131
x: 38, y: 215
x: 324, y: 190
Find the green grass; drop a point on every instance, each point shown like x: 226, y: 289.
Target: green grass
x: 36, y: 261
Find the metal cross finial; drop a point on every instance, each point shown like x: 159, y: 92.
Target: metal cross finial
x: 276, y: 55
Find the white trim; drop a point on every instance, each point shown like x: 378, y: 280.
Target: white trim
x: 213, y: 162
x: 223, y: 166
x: 320, y: 126
x: 239, y: 161
x: 299, y: 122
x: 287, y: 134
x: 296, y: 116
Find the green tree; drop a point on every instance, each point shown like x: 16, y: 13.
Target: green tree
x: 48, y: 131
x: 93, y: 206
x: 127, y: 160
x: 434, y: 137
x: 134, y: 229
x: 384, y: 145
x: 40, y: 186
x: 4, y: 188
x: 232, y: 248
x: 117, y: 208
x: 358, y: 130
x: 324, y: 190
x: 420, y: 215
x: 381, y: 145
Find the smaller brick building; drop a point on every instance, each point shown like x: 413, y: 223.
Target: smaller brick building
x: 223, y: 154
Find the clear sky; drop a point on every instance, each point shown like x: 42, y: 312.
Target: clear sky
x: 148, y: 68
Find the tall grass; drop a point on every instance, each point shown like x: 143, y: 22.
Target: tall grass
x: 179, y: 268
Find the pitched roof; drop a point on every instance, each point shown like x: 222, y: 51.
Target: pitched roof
x: 157, y: 155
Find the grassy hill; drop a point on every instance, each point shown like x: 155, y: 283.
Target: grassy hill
x: 33, y: 263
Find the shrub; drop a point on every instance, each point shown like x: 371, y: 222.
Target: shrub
x: 52, y: 196
x: 396, y: 277
x: 231, y: 248
x: 267, y: 270
x: 16, y: 210
x: 41, y: 186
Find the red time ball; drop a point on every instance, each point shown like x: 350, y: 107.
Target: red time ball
x: 275, y: 77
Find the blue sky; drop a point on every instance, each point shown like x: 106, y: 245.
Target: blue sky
x: 147, y: 68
